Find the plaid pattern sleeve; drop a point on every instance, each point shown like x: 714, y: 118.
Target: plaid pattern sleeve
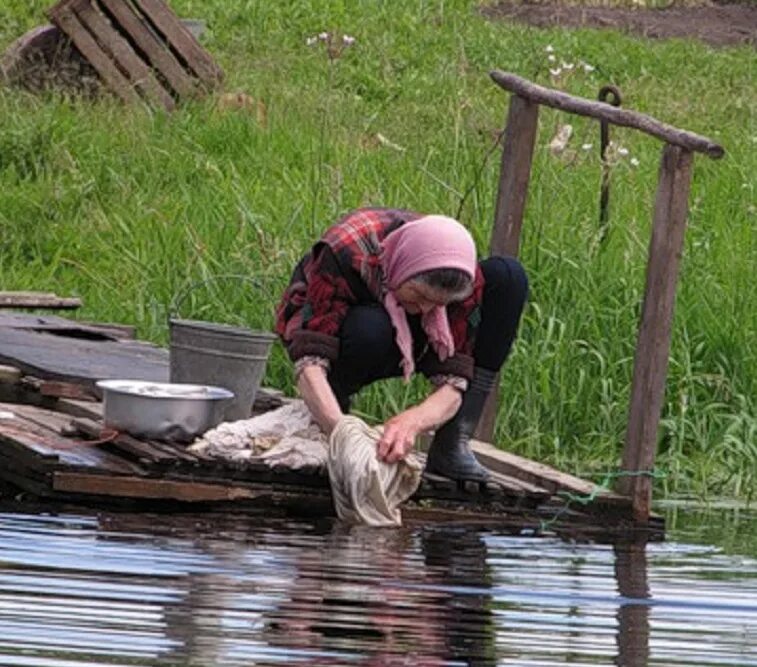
x: 314, y: 305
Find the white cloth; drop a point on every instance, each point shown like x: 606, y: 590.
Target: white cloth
x: 366, y: 490
x: 285, y: 437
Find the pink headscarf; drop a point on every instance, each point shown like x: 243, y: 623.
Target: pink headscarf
x: 431, y: 242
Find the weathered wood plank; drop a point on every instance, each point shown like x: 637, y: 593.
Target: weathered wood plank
x: 156, y: 51
x: 515, y: 174
x: 69, y: 23
x: 123, y: 443
x: 38, y: 430
x: 38, y: 300
x: 111, y: 329
x: 138, y: 487
x: 53, y: 421
x: 119, y: 49
x: 603, y: 111
x: 58, y: 389
x: 80, y: 409
x: 653, y: 345
x: 62, y: 326
x: 539, y: 474
x: 15, y: 439
x: 181, y: 40
x: 83, y: 361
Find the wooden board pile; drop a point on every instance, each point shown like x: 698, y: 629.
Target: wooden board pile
x: 140, y: 49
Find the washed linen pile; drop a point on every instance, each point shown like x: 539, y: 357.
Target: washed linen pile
x: 365, y: 490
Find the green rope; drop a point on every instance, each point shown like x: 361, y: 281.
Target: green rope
x: 600, y: 487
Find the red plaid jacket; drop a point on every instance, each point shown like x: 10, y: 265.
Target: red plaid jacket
x: 343, y: 270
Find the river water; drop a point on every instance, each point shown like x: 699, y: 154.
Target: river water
x: 78, y: 590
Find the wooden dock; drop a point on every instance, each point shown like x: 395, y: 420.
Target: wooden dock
x: 55, y: 447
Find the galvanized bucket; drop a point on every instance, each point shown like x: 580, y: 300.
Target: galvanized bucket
x: 223, y: 356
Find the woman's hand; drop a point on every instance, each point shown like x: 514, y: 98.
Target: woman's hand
x: 399, y: 435
x: 401, y: 430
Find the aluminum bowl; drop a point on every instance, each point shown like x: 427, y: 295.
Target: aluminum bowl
x: 162, y: 411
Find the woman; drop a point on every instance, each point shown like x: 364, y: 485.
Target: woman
x: 386, y: 292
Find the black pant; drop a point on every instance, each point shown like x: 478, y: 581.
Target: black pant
x: 368, y: 351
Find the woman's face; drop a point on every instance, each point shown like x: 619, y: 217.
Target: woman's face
x: 417, y: 297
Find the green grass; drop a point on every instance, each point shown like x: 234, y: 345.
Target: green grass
x: 126, y: 207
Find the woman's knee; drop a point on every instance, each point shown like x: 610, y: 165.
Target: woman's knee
x: 506, y: 278
x: 366, y: 332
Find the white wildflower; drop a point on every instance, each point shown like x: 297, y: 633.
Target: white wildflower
x: 634, y: 162
x: 555, y: 72
x: 551, y: 58
x: 348, y: 40
x: 311, y: 40
x: 568, y: 66
x: 588, y: 68
x: 622, y: 151
x: 549, y: 48
x: 324, y: 36
x: 587, y: 147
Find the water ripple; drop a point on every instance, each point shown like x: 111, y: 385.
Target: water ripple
x: 83, y: 590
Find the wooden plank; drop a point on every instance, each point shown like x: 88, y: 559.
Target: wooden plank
x: 181, y: 40
x: 123, y: 443
x: 15, y: 437
x: 81, y: 409
x: 653, y: 345
x: 47, y: 419
x: 36, y: 430
x: 513, y: 483
x: 58, y: 389
x: 111, y: 329
x: 137, y: 487
x: 69, y: 23
x: 38, y: 300
x: 157, y: 53
x: 119, y: 49
x: 557, y: 99
x: 83, y: 361
x: 62, y: 326
x: 530, y: 471
x: 515, y: 174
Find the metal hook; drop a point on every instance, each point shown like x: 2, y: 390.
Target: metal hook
x: 609, y: 95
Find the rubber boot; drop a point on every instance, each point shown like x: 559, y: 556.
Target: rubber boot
x: 449, y: 454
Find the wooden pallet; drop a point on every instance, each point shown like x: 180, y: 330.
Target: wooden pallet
x: 50, y: 448
x: 139, y: 48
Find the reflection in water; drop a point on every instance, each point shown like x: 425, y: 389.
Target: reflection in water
x: 123, y: 589
x: 633, y: 615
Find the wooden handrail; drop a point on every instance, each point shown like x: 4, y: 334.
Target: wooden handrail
x: 602, y: 111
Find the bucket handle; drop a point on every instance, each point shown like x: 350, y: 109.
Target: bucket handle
x: 184, y: 292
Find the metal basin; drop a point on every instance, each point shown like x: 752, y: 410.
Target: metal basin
x: 163, y: 411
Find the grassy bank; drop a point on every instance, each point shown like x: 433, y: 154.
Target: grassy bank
x: 125, y: 207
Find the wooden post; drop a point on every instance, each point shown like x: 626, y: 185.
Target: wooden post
x: 653, y: 346
x: 515, y: 172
